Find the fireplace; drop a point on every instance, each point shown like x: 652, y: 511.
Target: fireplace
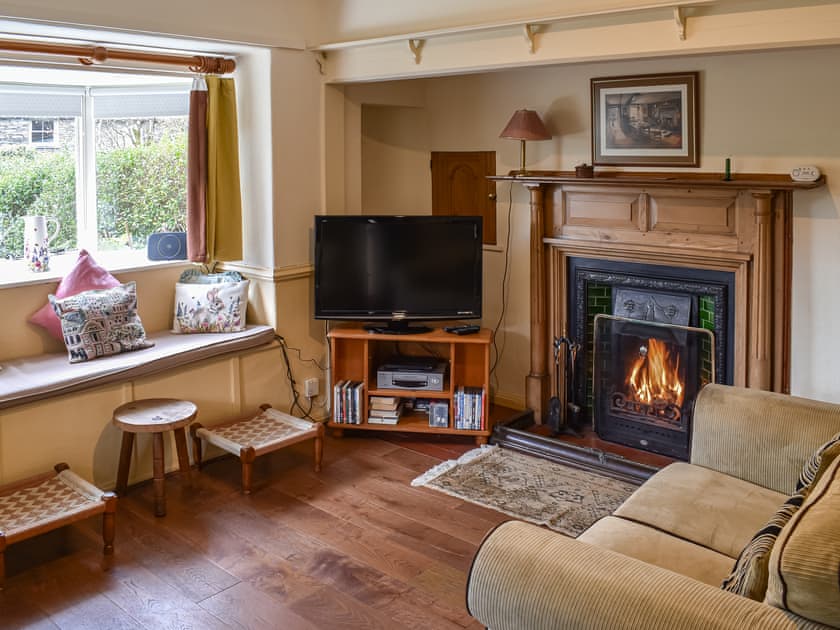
x: 723, y: 244
x: 646, y: 378
x: 663, y: 294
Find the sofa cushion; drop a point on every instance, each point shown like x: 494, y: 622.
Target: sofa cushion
x: 658, y: 548
x: 804, y: 570
x: 821, y: 458
x: 703, y: 506
x: 749, y: 576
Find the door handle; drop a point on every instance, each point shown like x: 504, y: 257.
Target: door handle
x: 492, y: 196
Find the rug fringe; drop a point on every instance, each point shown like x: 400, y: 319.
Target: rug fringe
x: 437, y: 471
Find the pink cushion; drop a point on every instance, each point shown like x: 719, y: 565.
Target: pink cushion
x: 84, y: 276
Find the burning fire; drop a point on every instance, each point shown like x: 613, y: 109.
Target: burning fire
x: 654, y: 377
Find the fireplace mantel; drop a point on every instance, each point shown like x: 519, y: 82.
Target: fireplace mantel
x: 693, y: 220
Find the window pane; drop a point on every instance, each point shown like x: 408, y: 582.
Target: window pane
x: 141, y: 171
x: 37, y: 174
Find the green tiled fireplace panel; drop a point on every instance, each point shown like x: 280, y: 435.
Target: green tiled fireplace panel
x: 707, y: 321
x: 707, y: 312
x: 598, y: 300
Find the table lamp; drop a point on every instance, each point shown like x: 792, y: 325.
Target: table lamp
x: 525, y: 124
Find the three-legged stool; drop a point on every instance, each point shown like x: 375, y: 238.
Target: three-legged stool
x: 154, y: 415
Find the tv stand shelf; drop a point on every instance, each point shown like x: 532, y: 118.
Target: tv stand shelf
x: 357, y: 353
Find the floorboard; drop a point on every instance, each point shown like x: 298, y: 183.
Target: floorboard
x: 354, y: 546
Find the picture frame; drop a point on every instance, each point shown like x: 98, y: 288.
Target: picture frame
x: 646, y: 120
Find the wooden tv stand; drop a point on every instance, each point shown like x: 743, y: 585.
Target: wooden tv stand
x: 356, y: 354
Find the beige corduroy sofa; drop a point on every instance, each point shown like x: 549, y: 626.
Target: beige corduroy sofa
x: 659, y: 560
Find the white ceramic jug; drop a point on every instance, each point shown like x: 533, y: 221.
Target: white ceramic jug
x: 36, y: 241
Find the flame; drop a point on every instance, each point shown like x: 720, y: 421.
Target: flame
x: 655, y: 375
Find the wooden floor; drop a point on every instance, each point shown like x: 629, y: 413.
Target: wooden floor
x: 354, y: 546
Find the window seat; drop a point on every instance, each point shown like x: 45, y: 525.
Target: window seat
x: 31, y: 379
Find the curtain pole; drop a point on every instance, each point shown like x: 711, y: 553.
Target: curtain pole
x: 90, y: 55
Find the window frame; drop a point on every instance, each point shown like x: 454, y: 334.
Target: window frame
x: 54, y: 141
x: 85, y: 158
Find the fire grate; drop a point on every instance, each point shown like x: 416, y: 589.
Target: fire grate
x: 646, y: 378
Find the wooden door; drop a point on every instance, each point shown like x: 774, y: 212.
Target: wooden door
x: 460, y: 186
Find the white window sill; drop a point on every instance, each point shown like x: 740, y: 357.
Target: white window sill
x: 14, y: 273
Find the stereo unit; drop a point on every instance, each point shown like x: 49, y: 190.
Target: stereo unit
x: 167, y: 246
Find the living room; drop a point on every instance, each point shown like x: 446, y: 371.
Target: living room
x: 351, y: 131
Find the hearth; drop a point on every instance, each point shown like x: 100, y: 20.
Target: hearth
x: 646, y: 377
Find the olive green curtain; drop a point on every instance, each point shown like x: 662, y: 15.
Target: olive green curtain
x: 224, y: 203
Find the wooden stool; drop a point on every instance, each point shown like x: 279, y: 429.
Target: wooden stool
x: 154, y: 415
x: 266, y: 432
x: 49, y: 501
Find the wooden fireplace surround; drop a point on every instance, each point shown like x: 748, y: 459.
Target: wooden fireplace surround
x: 697, y: 220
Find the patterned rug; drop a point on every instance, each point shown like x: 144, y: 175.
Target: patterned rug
x: 562, y: 498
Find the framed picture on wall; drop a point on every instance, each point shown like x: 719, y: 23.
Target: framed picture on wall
x: 646, y: 120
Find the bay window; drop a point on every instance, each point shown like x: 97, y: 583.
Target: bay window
x: 108, y: 163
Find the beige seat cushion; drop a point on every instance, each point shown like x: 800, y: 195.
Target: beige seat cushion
x: 31, y: 379
x: 804, y: 568
x: 702, y: 506
x: 658, y: 548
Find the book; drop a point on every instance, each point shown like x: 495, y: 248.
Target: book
x: 376, y: 420
x: 386, y: 413
x: 347, y: 402
x: 385, y: 400
x: 387, y: 404
x: 469, y: 408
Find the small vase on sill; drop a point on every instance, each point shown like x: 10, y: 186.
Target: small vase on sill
x: 36, y: 242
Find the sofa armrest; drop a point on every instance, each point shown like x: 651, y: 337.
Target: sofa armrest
x: 759, y: 436
x: 524, y: 576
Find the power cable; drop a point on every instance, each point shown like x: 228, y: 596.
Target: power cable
x: 292, y: 384
x: 496, y: 351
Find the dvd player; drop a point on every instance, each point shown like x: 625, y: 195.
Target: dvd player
x: 417, y: 373
x: 411, y: 364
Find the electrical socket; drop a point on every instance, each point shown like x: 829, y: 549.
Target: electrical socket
x: 310, y: 387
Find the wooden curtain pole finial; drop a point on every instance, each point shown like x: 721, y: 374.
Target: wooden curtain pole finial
x: 98, y: 55
x: 212, y: 65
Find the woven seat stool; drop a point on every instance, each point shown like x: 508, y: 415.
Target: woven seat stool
x: 41, y: 504
x: 268, y: 431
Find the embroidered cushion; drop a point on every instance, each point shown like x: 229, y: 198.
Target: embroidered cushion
x: 805, y: 562
x: 85, y: 276
x: 210, y: 303
x: 101, y: 322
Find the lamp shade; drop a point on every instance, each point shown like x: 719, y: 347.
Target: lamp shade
x: 525, y: 124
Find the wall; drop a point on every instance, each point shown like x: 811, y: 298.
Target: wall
x: 768, y: 111
x: 278, y: 98
x: 268, y: 22
x: 395, y: 148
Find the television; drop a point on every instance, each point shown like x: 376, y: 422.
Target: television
x: 398, y: 269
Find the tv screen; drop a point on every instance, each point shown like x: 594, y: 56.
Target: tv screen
x: 398, y: 267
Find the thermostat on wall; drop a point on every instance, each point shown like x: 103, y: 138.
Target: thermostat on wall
x: 805, y: 174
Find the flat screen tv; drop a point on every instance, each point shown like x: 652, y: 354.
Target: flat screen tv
x: 397, y: 269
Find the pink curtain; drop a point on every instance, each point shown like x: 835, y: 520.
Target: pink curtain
x: 197, y: 174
